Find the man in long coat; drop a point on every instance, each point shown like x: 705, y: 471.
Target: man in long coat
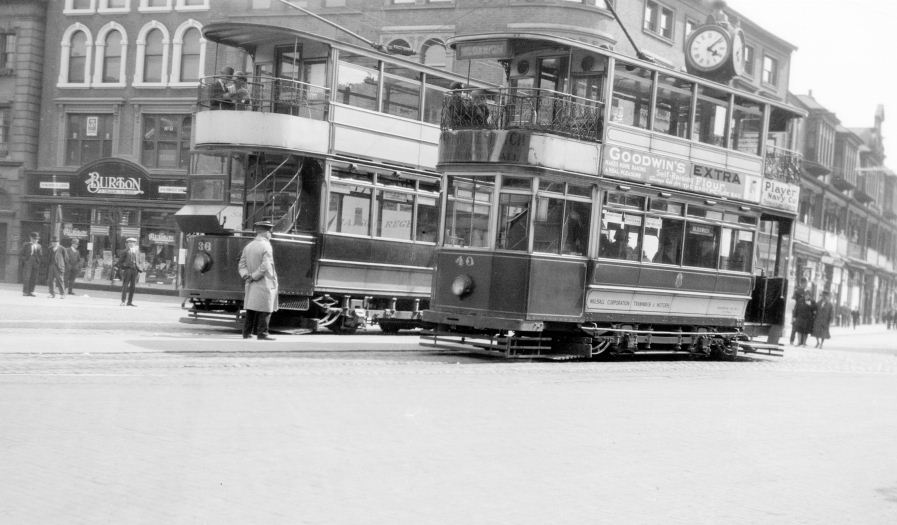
x: 30, y: 256
x: 258, y: 272
x: 72, y: 265
x: 56, y: 268
x: 824, y: 314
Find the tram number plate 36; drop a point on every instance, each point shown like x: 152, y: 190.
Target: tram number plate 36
x: 463, y: 261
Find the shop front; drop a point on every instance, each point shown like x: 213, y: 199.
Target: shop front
x: 102, y: 205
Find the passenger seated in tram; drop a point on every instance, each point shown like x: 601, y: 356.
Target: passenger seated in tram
x: 669, y: 250
x: 618, y: 248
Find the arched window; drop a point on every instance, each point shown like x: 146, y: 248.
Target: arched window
x: 433, y: 53
x: 188, y: 54
x: 112, y: 58
x: 77, y: 70
x: 153, y: 57
x: 151, y: 68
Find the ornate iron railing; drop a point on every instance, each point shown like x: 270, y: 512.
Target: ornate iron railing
x: 783, y: 165
x: 529, y: 109
x: 264, y: 94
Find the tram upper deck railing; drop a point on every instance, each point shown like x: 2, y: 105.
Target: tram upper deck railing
x: 783, y: 165
x: 538, y: 110
x: 264, y: 94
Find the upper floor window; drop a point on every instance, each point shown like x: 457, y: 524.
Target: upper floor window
x: 152, y: 55
x: 7, y: 53
x: 770, y: 73
x: 155, y: 5
x: 658, y: 19
x: 190, y: 5
x: 690, y: 26
x: 88, y: 138
x: 79, y: 6
x: 111, y: 47
x: 166, y: 141
x: 114, y: 6
x: 4, y: 131
x: 749, y: 60
x: 77, y: 70
x: 433, y: 53
x: 188, y: 53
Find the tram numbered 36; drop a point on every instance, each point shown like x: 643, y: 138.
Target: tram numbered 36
x: 625, y: 208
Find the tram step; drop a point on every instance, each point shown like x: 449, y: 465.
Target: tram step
x: 751, y: 347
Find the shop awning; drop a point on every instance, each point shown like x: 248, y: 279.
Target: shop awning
x: 209, y: 218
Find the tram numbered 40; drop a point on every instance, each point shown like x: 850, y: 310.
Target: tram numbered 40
x: 610, y: 206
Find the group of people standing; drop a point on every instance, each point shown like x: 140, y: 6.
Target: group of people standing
x: 810, y: 317
x: 63, y: 265
x: 230, y: 90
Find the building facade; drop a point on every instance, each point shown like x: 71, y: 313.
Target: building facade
x: 22, y: 27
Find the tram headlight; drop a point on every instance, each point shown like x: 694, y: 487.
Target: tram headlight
x: 202, y: 262
x: 462, y: 285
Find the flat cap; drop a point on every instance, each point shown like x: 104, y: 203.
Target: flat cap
x: 264, y: 225
x: 130, y: 239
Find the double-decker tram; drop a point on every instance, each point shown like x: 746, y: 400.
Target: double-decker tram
x: 335, y: 144
x: 609, y: 205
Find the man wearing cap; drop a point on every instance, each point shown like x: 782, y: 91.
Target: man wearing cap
x: 72, y: 265
x: 260, y: 294
x: 129, y: 267
x: 56, y: 268
x: 30, y: 257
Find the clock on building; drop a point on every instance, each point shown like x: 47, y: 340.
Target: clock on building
x: 714, y: 51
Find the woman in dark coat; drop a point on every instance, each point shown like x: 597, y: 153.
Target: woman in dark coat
x: 804, y: 311
x: 823, y: 319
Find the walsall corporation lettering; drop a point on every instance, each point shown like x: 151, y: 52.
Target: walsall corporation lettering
x: 112, y: 185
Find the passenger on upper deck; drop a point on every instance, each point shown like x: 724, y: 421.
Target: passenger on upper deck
x: 241, y: 97
x: 222, y: 89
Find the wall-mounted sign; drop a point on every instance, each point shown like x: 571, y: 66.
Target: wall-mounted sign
x: 93, y: 125
x: 51, y: 185
x: 161, y: 238
x: 109, y: 179
x: 174, y: 190
x: 110, y: 185
x: 780, y: 195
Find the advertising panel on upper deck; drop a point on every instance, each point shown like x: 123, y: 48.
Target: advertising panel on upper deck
x: 670, y: 172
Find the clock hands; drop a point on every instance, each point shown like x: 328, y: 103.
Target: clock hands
x: 711, y: 47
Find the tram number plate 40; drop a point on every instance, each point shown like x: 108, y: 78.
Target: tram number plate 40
x: 464, y: 261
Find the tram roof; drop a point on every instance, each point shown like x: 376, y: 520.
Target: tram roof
x: 249, y: 36
x: 577, y: 44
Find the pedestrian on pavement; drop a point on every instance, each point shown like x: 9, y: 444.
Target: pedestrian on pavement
x: 56, y: 268
x: 855, y: 317
x: 129, y: 266
x: 804, y: 314
x: 823, y: 319
x: 30, y: 257
x: 257, y: 270
x: 72, y: 265
x: 798, y: 297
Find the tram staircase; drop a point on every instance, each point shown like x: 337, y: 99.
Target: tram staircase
x: 286, y: 222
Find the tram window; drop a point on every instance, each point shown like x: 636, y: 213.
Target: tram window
x: 667, y: 206
x: 701, y: 245
x: 631, y: 95
x: 206, y: 189
x: 359, y: 78
x: 395, y: 210
x: 427, y: 219
x: 710, y: 117
x: 747, y: 121
x: 548, y: 224
x: 467, y: 221
x: 581, y: 190
x: 520, y: 183
x: 620, y: 235
x: 737, y: 249
x: 673, y: 107
x: 663, y: 240
x: 436, y: 88
x: 401, y: 92
x: 625, y: 199
x: 205, y: 164
x: 350, y: 209
x: 551, y: 186
x: 513, y: 228
x: 576, y: 228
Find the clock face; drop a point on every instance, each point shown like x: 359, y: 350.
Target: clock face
x: 738, y: 53
x: 709, y: 48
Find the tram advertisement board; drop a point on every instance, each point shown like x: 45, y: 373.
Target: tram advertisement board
x: 661, y: 170
x: 780, y: 195
x: 690, y: 305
